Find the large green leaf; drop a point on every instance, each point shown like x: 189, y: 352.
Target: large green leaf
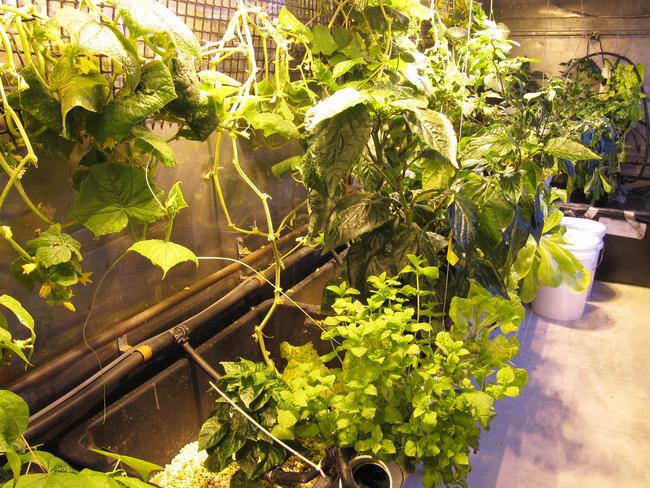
x: 437, y: 173
x: 142, y: 467
x: 565, y: 148
x: 335, y: 145
x: 272, y: 123
x: 354, y: 215
x: 38, y: 101
x: 436, y: 131
x: 290, y: 22
x: 152, y: 143
x: 463, y: 219
x: 14, y: 417
x: 146, y: 17
x: 111, y: 196
x: 54, y: 247
x: 85, y: 91
x: 164, y: 254
x: 212, y: 431
x: 496, y: 213
x: 156, y: 89
x: 333, y: 105
x: 497, y: 143
x: 99, y: 38
x: 322, y: 41
x: 195, y: 105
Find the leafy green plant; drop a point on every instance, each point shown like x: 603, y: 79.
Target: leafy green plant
x: 58, y: 100
x: 407, y: 388
x: 601, y: 105
x: 228, y: 437
x: 548, y: 263
x: 44, y: 469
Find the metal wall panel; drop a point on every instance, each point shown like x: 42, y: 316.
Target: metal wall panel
x: 554, y: 31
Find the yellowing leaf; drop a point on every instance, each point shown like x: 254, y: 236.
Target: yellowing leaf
x: 164, y: 254
x: 452, y: 257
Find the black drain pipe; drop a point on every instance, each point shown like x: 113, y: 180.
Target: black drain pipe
x: 73, y: 406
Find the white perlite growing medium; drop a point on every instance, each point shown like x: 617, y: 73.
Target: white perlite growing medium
x: 186, y: 470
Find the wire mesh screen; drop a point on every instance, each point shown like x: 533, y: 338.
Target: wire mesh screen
x: 208, y: 20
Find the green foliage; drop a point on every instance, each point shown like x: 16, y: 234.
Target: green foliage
x: 155, y: 90
x: 599, y: 105
x: 32, y: 468
x: 112, y: 196
x: 547, y: 262
x: 227, y: 436
x: 95, y: 37
x: 152, y: 143
x: 61, y: 101
x: 164, y: 254
x: 151, y: 19
x: 142, y: 467
x: 20, y: 347
x: 404, y: 388
x: 354, y: 215
x: 337, y: 143
x: 436, y: 131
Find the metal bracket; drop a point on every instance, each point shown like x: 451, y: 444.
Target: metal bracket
x: 181, y: 334
x: 123, y: 344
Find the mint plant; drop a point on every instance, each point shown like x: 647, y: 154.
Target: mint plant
x: 398, y: 384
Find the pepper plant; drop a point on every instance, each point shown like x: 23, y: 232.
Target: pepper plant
x: 601, y: 106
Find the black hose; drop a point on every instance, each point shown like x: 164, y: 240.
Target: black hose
x: 84, y: 398
x: 343, y: 468
x: 281, y: 477
x: 198, y: 359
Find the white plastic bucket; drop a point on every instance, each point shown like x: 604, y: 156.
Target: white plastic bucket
x: 563, y: 302
x: 593, y: 227
x: 585, y: 225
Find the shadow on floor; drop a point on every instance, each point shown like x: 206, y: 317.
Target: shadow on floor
x: 530, y: 429
x: 594, y: 318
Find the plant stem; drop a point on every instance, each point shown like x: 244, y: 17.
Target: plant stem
x: 220, y: 196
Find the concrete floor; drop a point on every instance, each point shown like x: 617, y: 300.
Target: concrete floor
x: 583, y: 419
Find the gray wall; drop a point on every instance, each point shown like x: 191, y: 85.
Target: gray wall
x: 554, y: 31
x: 135, y: 284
